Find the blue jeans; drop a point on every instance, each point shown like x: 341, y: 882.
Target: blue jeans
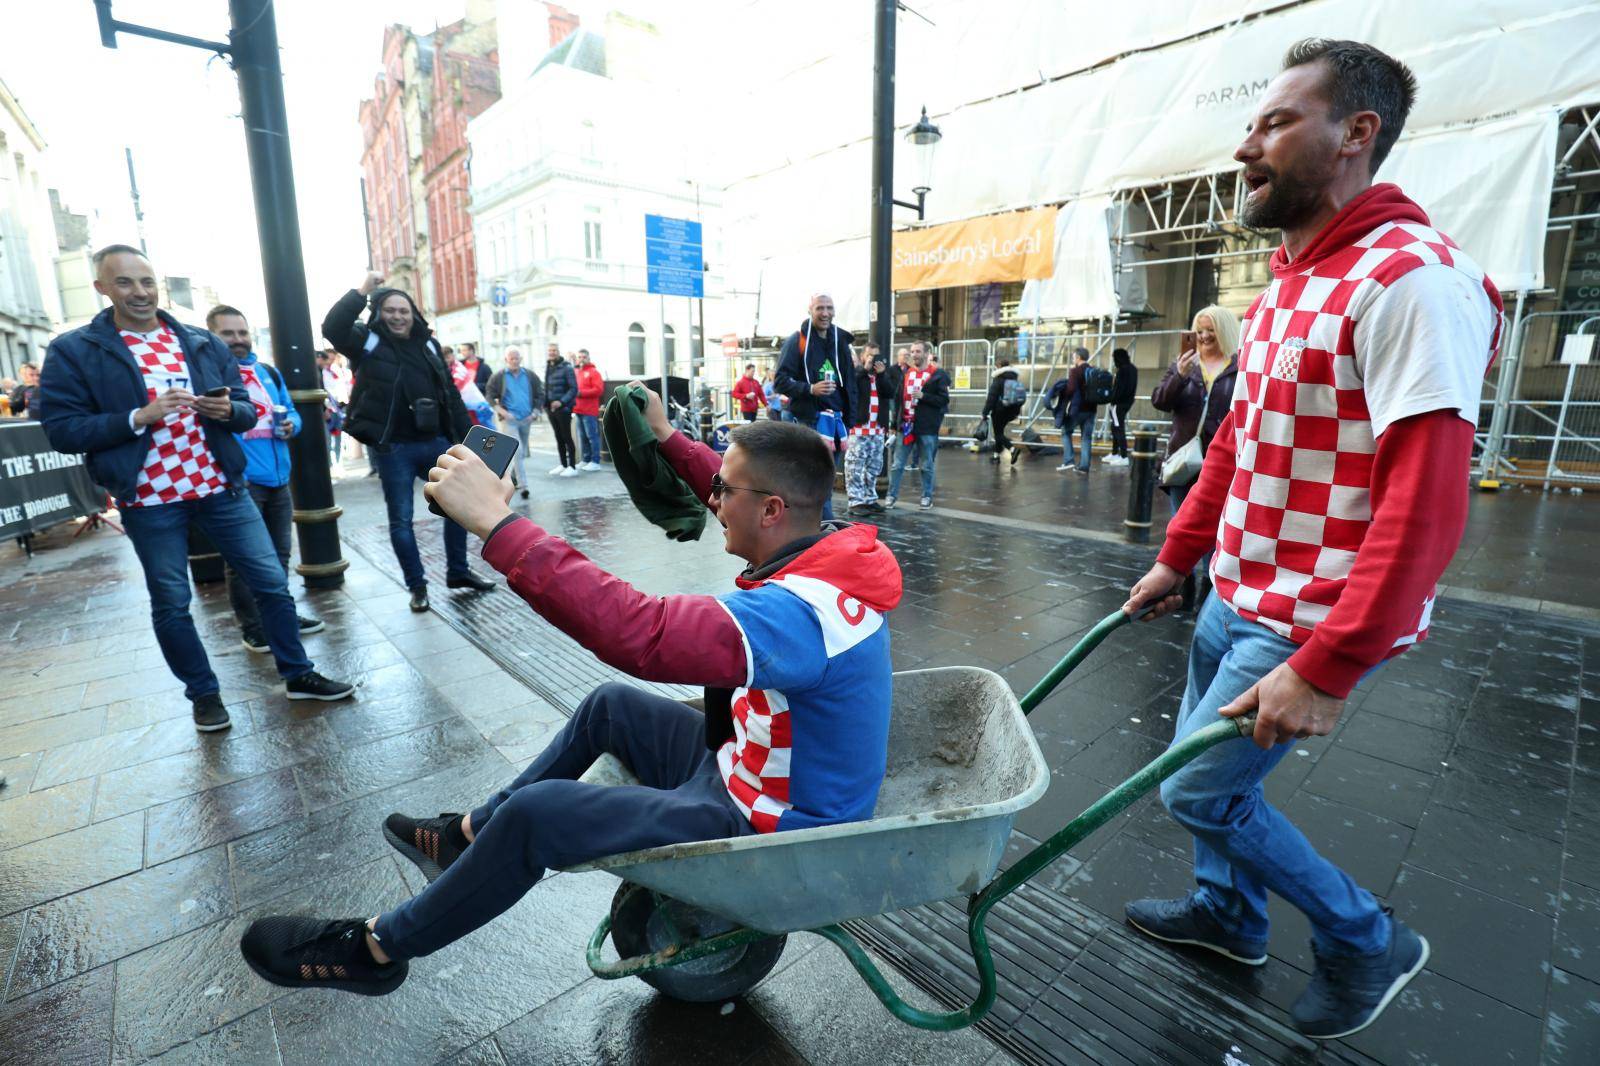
x: 589, y: 437
x: 160, y: 537
x: 398, y: 466
x: 547, y: 818
x: 927, y: 448
x: 1242, y: 845
x: 1081, y: 423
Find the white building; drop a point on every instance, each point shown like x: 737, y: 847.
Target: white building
x: 30, y: 303
x: 565, y: 167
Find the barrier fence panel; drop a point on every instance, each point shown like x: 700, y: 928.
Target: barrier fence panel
x: 1541, y: 423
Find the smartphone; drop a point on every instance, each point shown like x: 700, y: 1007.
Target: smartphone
x: 221, y: 391
x: 1187, y: 341
x: 495, y: 449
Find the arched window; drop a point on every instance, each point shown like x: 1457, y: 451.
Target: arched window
x: 669, y: 348
x: 636, y: 339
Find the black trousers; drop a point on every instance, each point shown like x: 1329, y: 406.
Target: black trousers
x: 1119, y: 429
x: 1000, y: 418
x: 561, y: 423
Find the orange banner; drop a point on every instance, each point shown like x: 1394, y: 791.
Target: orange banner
x: 1010, y: 247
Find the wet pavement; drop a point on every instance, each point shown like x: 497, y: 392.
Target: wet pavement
x: 1463, y: 786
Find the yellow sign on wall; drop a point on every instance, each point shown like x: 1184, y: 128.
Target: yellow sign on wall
x: 1012, y: 247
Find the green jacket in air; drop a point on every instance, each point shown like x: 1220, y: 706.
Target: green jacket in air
x: 655, y: 488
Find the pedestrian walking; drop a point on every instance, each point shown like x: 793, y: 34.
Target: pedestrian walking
x: 406, y: 409
x: 1197, y: 391
x: 1124, y: 390
x: 1002, y: 405
x: 873, y: 394
x: 586, y: 409
x: 924, y: 396
x: 266, y: 466
x: 748, y: 393
x: 1070, y: 398
x: 1334, y: 494
x: 154, y: 405
x: 336, y: 387
x: 810, y: 374
x: 25, y: 396
x: 515, y: 394
x: 560, y: 393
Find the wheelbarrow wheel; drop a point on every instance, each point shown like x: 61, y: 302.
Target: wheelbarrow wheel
x: 643, y: 922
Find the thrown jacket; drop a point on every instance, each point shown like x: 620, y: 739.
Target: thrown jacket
x: 1184, y: 398
x: 664, y: 498
x: 808, y: 358
x: 91, y: 384
x: 266, y: 455
x: 560, y: 384
x: 391, y: 374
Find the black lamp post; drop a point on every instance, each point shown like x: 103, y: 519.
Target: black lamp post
x: 252, y: 48
x: 923, y: 137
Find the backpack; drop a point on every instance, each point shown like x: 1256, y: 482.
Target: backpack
x: 1013, y: 393
x: 1099, y: 386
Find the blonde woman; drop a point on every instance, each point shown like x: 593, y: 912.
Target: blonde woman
x: 1197, y: 391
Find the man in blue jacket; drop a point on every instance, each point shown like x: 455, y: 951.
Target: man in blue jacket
x: 155, y: 404
x: 266, y: 463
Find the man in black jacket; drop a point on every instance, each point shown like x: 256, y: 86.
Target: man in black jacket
x: 872, y: 393
x: 813, y: 372
x: 560, y: 393
x: 924, y: 396
x: 405, y: 408
x: 155, y: 404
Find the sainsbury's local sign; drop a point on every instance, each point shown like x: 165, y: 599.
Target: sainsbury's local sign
x: 1015, y: 246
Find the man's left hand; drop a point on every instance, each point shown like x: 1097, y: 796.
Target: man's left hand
x: 218, y: 408
x: 1287, y: 707
x: 467, y: 491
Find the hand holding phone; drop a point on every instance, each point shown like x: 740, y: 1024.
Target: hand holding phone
x: 219, y: 391
x: 495, y: 449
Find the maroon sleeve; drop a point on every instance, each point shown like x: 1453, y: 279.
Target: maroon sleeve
x: 686, y: 640
x: 694, y: 462
x: 1193, y: 530
x: 1419, y: 511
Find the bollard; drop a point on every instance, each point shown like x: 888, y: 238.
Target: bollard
x: 1145, y: 468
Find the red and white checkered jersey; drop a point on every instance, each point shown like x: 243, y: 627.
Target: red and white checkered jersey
x: 755, y: 763
x: 179, y: 465
x: 872, y: 428
x: 1326, y: 352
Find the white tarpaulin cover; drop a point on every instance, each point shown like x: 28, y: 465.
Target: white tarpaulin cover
x: 1180, y: 110
x: 1082, y: 285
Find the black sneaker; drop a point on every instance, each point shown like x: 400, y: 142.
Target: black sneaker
x: 1183, y: 921
x: 210, y: 716
x: 861, y: 508
x: 254, y: 640
x: 310, y: 625
x: 313, y: 686
x: 432, y: 844
x: 1347, y: 994
x: 419, y: 599
x: 469, y: 580
x: 299, y: 952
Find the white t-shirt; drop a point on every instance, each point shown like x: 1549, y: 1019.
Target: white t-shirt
x: 1423, y: 346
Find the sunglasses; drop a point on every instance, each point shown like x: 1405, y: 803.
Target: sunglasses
x: 719, y: 486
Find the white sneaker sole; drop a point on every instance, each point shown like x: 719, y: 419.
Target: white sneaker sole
x: 1394, y: 990
x: 332, y: 697
x: 1224, y: 952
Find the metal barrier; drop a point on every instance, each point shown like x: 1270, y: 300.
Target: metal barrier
x: 1545, y: 439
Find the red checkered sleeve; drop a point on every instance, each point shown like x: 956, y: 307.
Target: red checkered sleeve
x: 1419, y: 511
x: 1193, y: 530
x: 689, y: 640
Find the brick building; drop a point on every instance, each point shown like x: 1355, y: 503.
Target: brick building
x: 386, y: 153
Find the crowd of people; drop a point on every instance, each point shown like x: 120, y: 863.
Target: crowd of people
x: 1321, y: 470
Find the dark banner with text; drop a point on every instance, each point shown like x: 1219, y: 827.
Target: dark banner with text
x: 39, y: 486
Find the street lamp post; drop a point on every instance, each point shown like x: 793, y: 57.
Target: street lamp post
x: 252, y: 48
x: 923, y: 137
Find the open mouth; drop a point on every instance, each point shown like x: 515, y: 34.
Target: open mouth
x: 1256, y: 181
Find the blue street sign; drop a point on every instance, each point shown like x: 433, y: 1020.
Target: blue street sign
x: 501, y: 296
x: 674, y: 262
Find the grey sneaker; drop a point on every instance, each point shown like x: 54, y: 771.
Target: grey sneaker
x: 1347, y: 994
x: 210, y: 716
x: 1184, y: 921
x: 927, y: 502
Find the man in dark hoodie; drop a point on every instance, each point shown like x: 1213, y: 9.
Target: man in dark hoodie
x: 797, y: 674
x: 560, y: 393
x: 405, y: 408
x: 814, y: 371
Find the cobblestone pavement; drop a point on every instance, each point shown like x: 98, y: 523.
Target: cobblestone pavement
x: 1463, y: 785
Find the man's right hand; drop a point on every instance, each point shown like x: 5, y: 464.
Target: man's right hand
x: 655, y: 415
x: 822, y: 388
x: 370, y: 283
x: 157, y: 410
x: 1158, y: 590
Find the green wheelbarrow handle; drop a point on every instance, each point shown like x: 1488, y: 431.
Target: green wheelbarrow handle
x: 1069, y: 662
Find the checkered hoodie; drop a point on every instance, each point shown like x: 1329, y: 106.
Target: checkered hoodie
x: 1298, y: 507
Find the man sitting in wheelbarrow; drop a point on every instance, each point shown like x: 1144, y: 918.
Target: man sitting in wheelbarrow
x: 797, y: 674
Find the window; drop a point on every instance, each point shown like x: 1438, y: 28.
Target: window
x: 591, y: 236
x: 669, y: 348
x: 636, y: 350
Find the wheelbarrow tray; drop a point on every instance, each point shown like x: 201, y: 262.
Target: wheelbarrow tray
x: 962, y: 762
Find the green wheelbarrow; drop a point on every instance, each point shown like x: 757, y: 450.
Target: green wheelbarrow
x: 706, y: 921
